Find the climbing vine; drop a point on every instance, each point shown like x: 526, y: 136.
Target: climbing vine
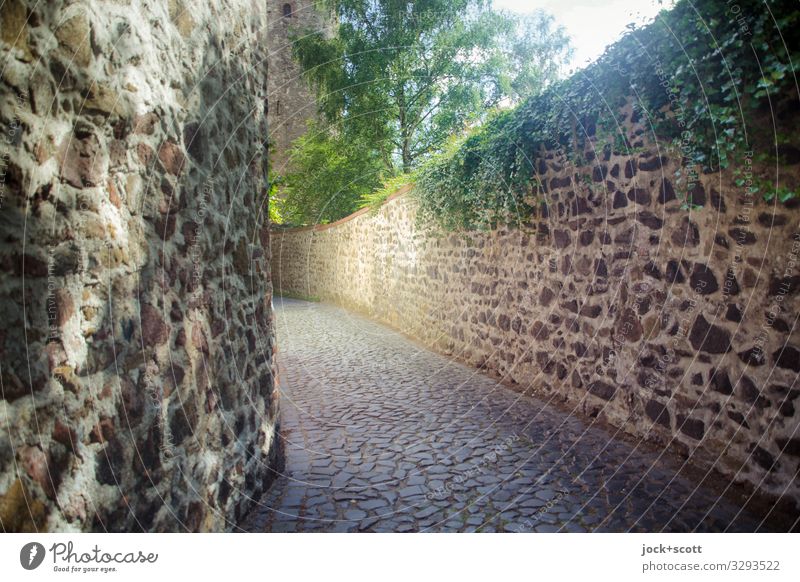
x: 702, y: 77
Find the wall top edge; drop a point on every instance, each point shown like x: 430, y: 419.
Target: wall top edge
x: 400, y: 192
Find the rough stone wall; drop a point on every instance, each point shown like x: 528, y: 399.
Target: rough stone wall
x: 136, y: 343
x: 677, y: 326
x: 292, y: 103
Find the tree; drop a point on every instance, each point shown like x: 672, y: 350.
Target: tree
x: 536, y: 52
x: 330, y: 174
x: 400, y: 77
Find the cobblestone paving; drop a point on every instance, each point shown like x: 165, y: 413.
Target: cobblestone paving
x: 384, y: 435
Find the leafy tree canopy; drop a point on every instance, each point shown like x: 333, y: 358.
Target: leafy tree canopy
x: 330, y: 173
x: 399, y: 78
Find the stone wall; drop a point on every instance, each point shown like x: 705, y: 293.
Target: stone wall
x: 136, y: 343
x: 676, y: 325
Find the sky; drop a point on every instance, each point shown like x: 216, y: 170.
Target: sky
x: 592, y: 24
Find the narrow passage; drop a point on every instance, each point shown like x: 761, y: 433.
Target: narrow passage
x: 383, y: 435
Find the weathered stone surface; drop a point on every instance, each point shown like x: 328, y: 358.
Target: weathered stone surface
x: 195, y: 140
x: 591, y: 311
x: 181, y: 16
x: 154, y: 330
x: 769, y: 219
x: 696, y: 196
x: 114, y: 247
x: 703, y: 280
x: 561, y: 239
x: 718, y: 201
x: 650, y: 220
x: 74, y: 35
x: 674, y: 272
x: 709, y: 338
x: 184, y: 421
x: 692, y: 427
x: 687, y: 234
x: 720, y: 382
x: 789, y: 446
x: 743, y: 236
x: 782, y: 286
x: 171, y: 156
x: 66, y: 260
x: 145, y: 155
x: 738, y: 418
x: 639, y: 196
x: 666, y: 192
x: 102, y: 98
x: 629, y: 328
x: 753, y: 356
x: 546, y: 297
x: 657, y: 412
x: 730, y: 286
x: 787, y: 357
x: 651, y: 164
x: 110, y: 463
x: 35, y: 463
x: 14, y: 29
x: 602, y: 390
x: 764, y: 458
x: 82, y: 159
x: 65, y: 307
x: 145, y: 124
x: 625, y: 237
x: 560, y: 182
x: 733, y: 313
x: 20, y: 511
x: 750, y: 393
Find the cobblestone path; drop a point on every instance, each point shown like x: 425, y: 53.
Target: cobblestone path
x: 384, y: 435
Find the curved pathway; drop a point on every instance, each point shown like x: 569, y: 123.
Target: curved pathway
x: 383, y: 435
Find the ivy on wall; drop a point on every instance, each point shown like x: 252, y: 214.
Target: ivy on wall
x: 703, y: 77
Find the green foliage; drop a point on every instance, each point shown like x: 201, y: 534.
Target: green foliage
x: 402, y: 76
x: 768, y: 190
x: 330, y: 174
x: 702, y: 77
x: 396, y: 82
x: 378, y: 196
x: 274, y: 213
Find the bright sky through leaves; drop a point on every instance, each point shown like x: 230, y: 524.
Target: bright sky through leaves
x: 592, y: 24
